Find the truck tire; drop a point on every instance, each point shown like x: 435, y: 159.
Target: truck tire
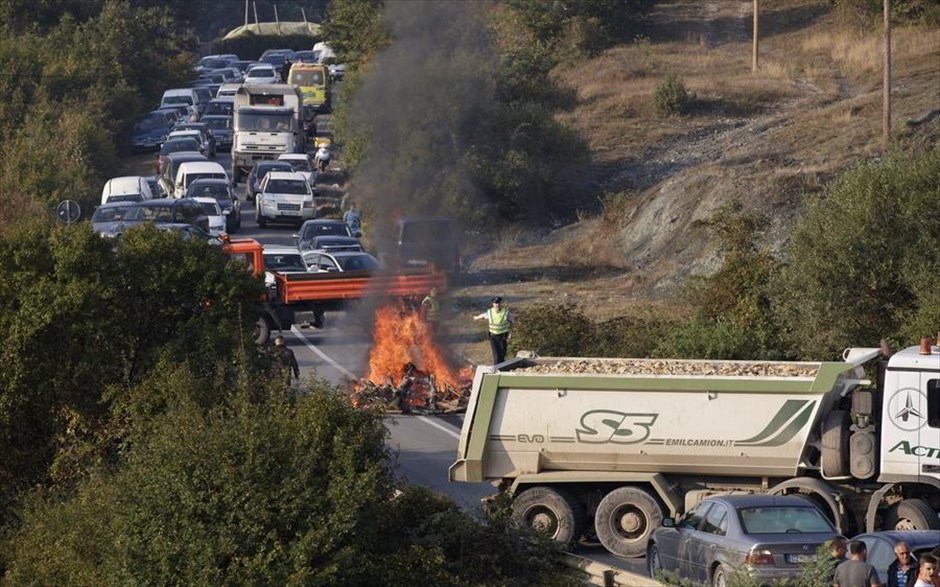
x: 262, y: 331
x: 552, y: 512
x: 911, y: 514
x: 835, y: 444
x: 625, y: 519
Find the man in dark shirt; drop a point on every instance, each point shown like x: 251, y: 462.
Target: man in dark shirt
x: 285, y: 360
x: 902, y: 572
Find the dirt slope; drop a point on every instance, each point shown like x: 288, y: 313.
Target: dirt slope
x: 770, y: 139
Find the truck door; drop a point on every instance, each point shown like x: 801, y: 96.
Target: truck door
x: 929, y: 453
x: 904, y: 423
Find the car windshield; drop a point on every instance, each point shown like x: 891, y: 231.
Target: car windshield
x: 191, y: 177
x: 178, y: 100
x: 260, y: 72
x: 284, y: 261
x: 213, y: 62
x: 357, y: 263
x: 264, y: 122
x: 179, y: 144
x: 783, y: 520
x: 109, y: 213
x: 210, y: 208
x: 219, y: 123
x: 152, y: 121
x: 307, y: 77
x: 287, y: 186
x: 333, y: 228
x: 299, y: 164
x: 221, y: 107
x: 208, y: 190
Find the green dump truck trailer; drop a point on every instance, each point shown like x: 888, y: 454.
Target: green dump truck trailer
x: 609, y: 447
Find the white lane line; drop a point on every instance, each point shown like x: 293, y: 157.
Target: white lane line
x: 322, y: 355
x: 443, y: 427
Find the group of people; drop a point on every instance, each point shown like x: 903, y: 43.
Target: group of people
x: 904, y: 571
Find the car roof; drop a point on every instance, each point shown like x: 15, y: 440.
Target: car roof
x: 346, y: 254
x: 201, y: 166
x: 211, y: 180
x: 157, y: 202
x: 916, y: 539
x: 271, y: 164
x: 320, y: 221
x: 336, y: 238
x: 205, y: 200
x: 288, y: 175
x: 292, y: 156
x: 185, y: 156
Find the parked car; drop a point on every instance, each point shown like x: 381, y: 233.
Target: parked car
x: 210, y: 207
x: 220, y: 107
x: 184, y: 112
x: 108, y: 219
x: 233, y: 75
x: 221, y: 191
x: 211, y: 62
x: 175, y: 145
x: 207, y: 135
x: 881, y: 546
x: 221, y: 128
x: 227, y: 91
x: 302, y: 165
x: 131, y: 188
x: 151, y: 129
x: 337, y: 71
x: 334, y: 244
x: 257, y: 173
x: 766, y: 536
x: 427, y: 240
x: 341, y: 261
x: 307, y: 56
x: 166, y: 211
x: 179, y: 96
x: 284, y: 197
x: 312, y: 229
x: 262, y: 74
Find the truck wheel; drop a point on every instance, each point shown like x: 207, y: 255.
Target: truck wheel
x: 720, y: 576
x: 262, y: 331
x: 835, y: 444
x: 625, y: 519
x: 911, y: 514
x: 552, y: 512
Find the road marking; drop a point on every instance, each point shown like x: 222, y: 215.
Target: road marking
x: 322, y: 355
x: 443, y: 427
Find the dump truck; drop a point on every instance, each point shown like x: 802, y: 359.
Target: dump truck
x: 312, y: 294
x: 268, y: 121
x: 609, y: 447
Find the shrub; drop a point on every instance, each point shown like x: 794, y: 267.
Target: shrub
x: 671, y: 96
x: 552, y: 330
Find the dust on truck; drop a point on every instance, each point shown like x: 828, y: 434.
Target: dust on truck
x: 611, y: 446
x: 268, y: 121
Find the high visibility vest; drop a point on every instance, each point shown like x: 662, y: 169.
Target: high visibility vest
x: 499, y: 321
x: 434, y: 309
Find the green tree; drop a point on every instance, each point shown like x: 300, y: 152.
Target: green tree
x: 863, y: 260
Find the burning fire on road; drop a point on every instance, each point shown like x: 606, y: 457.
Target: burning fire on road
x: 408, y: 371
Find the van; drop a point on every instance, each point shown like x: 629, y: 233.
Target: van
x: 314, y: 83
x: 170, y: 163
x: 193, y: 170
x: 177, y: 96
x: 423, y: 241
x: 132, y: 188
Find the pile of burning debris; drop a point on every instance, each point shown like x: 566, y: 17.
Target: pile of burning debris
x: 418, y: 392
x: 401, y: 342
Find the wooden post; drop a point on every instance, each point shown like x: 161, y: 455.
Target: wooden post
x: 756, y: 35
x: 254, y: 6
x: 277, y: 21
x: 246, y: 14
x: 886, y: 101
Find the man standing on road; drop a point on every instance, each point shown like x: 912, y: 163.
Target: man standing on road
x: 285, y: 359
x: 903, y: 571
x: 837, y: 548
x: 431, y: 310
x: 353, y: 219
x: 499, y: 320
x: 855, y: 572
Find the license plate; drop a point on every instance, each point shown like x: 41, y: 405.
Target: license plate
x: 289, y: 212
x: 799, y: 558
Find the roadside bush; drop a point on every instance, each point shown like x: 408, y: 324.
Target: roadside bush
x: 559, y: 330
x: 671, y: 96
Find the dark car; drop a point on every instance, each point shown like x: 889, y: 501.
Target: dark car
x: 108, y: 219
x: 421, y: 241
x: 221, y: 190
x: 881, y: 546
x: 167, y: 211
x: 175, y: 145
x: 259, y: 171
x: 155, y: 188
x: 208, y: 137
x: 222, y: 131
x: 343, y: 261
x: 334, y: 244
x: 312, y: 229
x: 189, y: 232
x: 220, y: 107
x: 765, y: 536
x: 150, y: 130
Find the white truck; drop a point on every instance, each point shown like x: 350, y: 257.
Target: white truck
x: 608, y: 447
x: 268, y: 121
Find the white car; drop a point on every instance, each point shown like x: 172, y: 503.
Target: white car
x: 210, y: 207
x: 284, y: 196
x: 262, y: 74
x: 302, y: 165
x: 283, y: 259
x: 132, y: 188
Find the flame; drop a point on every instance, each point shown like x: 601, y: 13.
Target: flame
x: 402, y: 337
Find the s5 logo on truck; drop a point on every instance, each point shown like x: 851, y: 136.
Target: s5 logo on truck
x: 601, y: 426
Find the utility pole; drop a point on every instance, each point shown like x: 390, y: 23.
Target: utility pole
x: 246, y: 14
x: 754, y: 51
x: 886, y: 101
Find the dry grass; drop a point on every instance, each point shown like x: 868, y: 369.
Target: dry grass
x: 860, y: 55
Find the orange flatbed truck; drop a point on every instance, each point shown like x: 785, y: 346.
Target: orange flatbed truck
x: 317, y: 293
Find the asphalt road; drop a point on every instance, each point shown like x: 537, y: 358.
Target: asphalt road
x: 424, y: 446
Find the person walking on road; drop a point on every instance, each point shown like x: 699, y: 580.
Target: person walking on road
x: 353, y: 219
x: 855, y: 572
x: 499, y: 320
x: 285, y: 360
x: 431, y: 310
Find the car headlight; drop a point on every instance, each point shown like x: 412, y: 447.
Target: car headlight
x: 308, y: 204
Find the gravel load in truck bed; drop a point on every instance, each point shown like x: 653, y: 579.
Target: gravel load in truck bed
x: 671, y: 367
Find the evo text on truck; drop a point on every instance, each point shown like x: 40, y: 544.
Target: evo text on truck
x: 611, y: 446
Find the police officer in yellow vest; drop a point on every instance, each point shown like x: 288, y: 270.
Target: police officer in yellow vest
x: 431, y: 310
x: 499, y: 319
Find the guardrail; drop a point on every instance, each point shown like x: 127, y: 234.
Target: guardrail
x: 606, y: 575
